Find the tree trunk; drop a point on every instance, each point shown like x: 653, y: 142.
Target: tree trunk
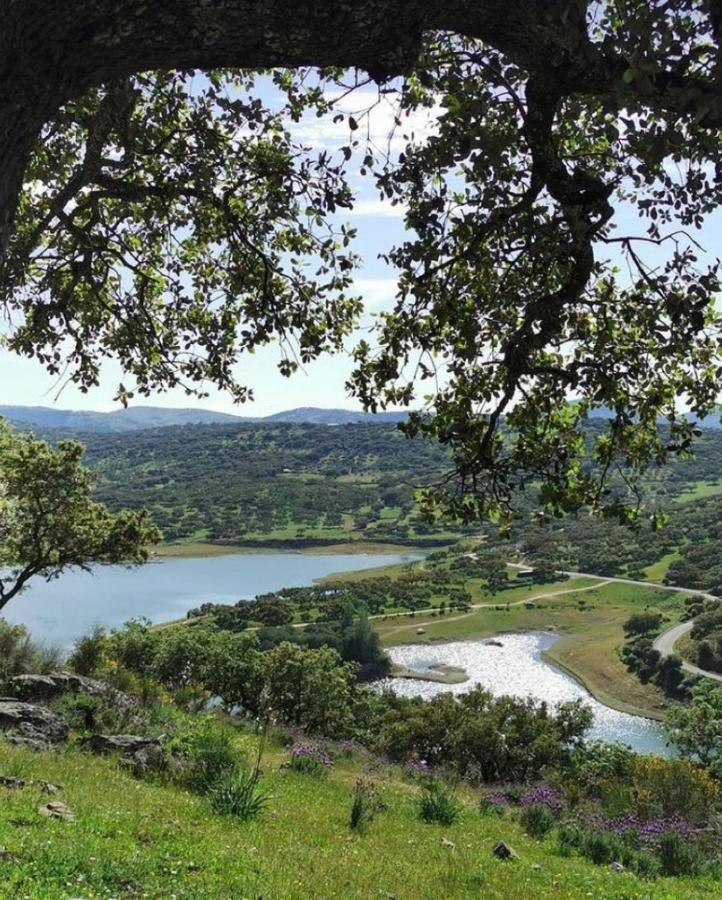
x: 51, y: 52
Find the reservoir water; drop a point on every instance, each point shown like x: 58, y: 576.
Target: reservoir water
x: 58, y: 611
x: 517, y: 667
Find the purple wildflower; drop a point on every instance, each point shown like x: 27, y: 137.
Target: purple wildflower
x: 303, y: 750
x: 542, y: 795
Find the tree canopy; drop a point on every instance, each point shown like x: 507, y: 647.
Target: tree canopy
x: 48, y: 521
x: 174, y: 222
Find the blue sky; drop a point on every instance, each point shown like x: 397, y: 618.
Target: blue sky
x: 379, y: 225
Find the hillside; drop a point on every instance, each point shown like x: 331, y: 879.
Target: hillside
x: 135, y: 418
x: 133, y: 838
x: 270, y: 482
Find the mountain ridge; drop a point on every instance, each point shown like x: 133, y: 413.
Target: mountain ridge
x: 137, y: 418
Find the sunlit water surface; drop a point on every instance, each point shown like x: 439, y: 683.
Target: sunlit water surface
x: 518, y: 668
x: 59, y: 611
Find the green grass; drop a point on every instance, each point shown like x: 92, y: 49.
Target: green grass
x: 659, y: 569
x: 133, y: 839
x: 700, y: 489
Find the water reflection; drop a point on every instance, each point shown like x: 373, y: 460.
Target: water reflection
x: 518, y: 668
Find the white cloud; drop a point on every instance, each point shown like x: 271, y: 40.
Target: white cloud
x: 376, y: 208
x: 377, y: 120
x: 377, y: 293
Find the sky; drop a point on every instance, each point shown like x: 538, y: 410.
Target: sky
x: 321, y: 383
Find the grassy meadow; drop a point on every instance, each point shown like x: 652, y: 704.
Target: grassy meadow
x: 133, y: 839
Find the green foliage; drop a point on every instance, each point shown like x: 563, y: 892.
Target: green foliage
x: 696, y: 729
x: 496, y: 738
x: 678, y: 857
x: 20, y: 654
x: 48, y: 521
x: 239, y: 794
x: 438, y: 804
x: 89, y: 652
x: 211, y: 756
x: 261, y: 483
x: 536, y: 820
x: 366, y: 802
x: 643, y: 623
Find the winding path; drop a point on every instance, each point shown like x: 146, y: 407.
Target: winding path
x: 664, y: 642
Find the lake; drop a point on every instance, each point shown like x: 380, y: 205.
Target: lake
x: 519, y: 668
x: 59, y: 611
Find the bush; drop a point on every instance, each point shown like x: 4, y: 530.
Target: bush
x: 364, y: 805
x: 20, y: 655
x: 211, y: 756
x: 438, y: 804
x: 310, y: 760
x: 238, y: 794
x: 677, y: 856
x: 536, y: 820
x: 89, y: 652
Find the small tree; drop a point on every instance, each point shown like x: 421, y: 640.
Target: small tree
x: 642, y: 623
x: 48, y: 521
x: 697, y: 729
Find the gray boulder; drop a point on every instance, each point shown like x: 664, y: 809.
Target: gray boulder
x: 502, y: 850
x: 11, y: 783
x: 31, y: 725
x: 47, y: 687
x: 127, y: 744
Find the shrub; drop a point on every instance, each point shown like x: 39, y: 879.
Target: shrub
x: 674, y: 787
x: 89, y: 652
x: 438, y: 804
x: 364, y: 805
x: 211, y: 756
x: 310, y: 759
x: 677, y: 856
x: 536, y: 820
x: 542, y: 795
x: 238, y: 794
x: 20, y: 655
x: 493, y: 804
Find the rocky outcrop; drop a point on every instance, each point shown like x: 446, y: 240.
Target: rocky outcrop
x: 119, y: 743
x: 30, y: 725
x: 48, y: 687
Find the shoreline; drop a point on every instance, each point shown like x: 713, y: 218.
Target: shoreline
x: 203, y: 549
x: 600, y: 696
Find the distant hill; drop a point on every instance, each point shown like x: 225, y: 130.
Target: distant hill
x: 309, y: 415
x: 135, y: 418
x: 711, y: 421
x: 131, y: 419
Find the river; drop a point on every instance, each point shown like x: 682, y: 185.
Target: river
x: 59, y: 611
x: 519, y: 668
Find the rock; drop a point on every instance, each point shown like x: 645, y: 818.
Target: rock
x: 31, y: 725
x: 11, y: 782
x: 503, y: 851
x: 127, y: 744
x: 149, y: 758
x: 56, y: 809
x: 493, y: 643
x: 47, y: 787
x: 617, y: 867
x: 421, y: 631
x: 29, y: 742
x: 46, y: 687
